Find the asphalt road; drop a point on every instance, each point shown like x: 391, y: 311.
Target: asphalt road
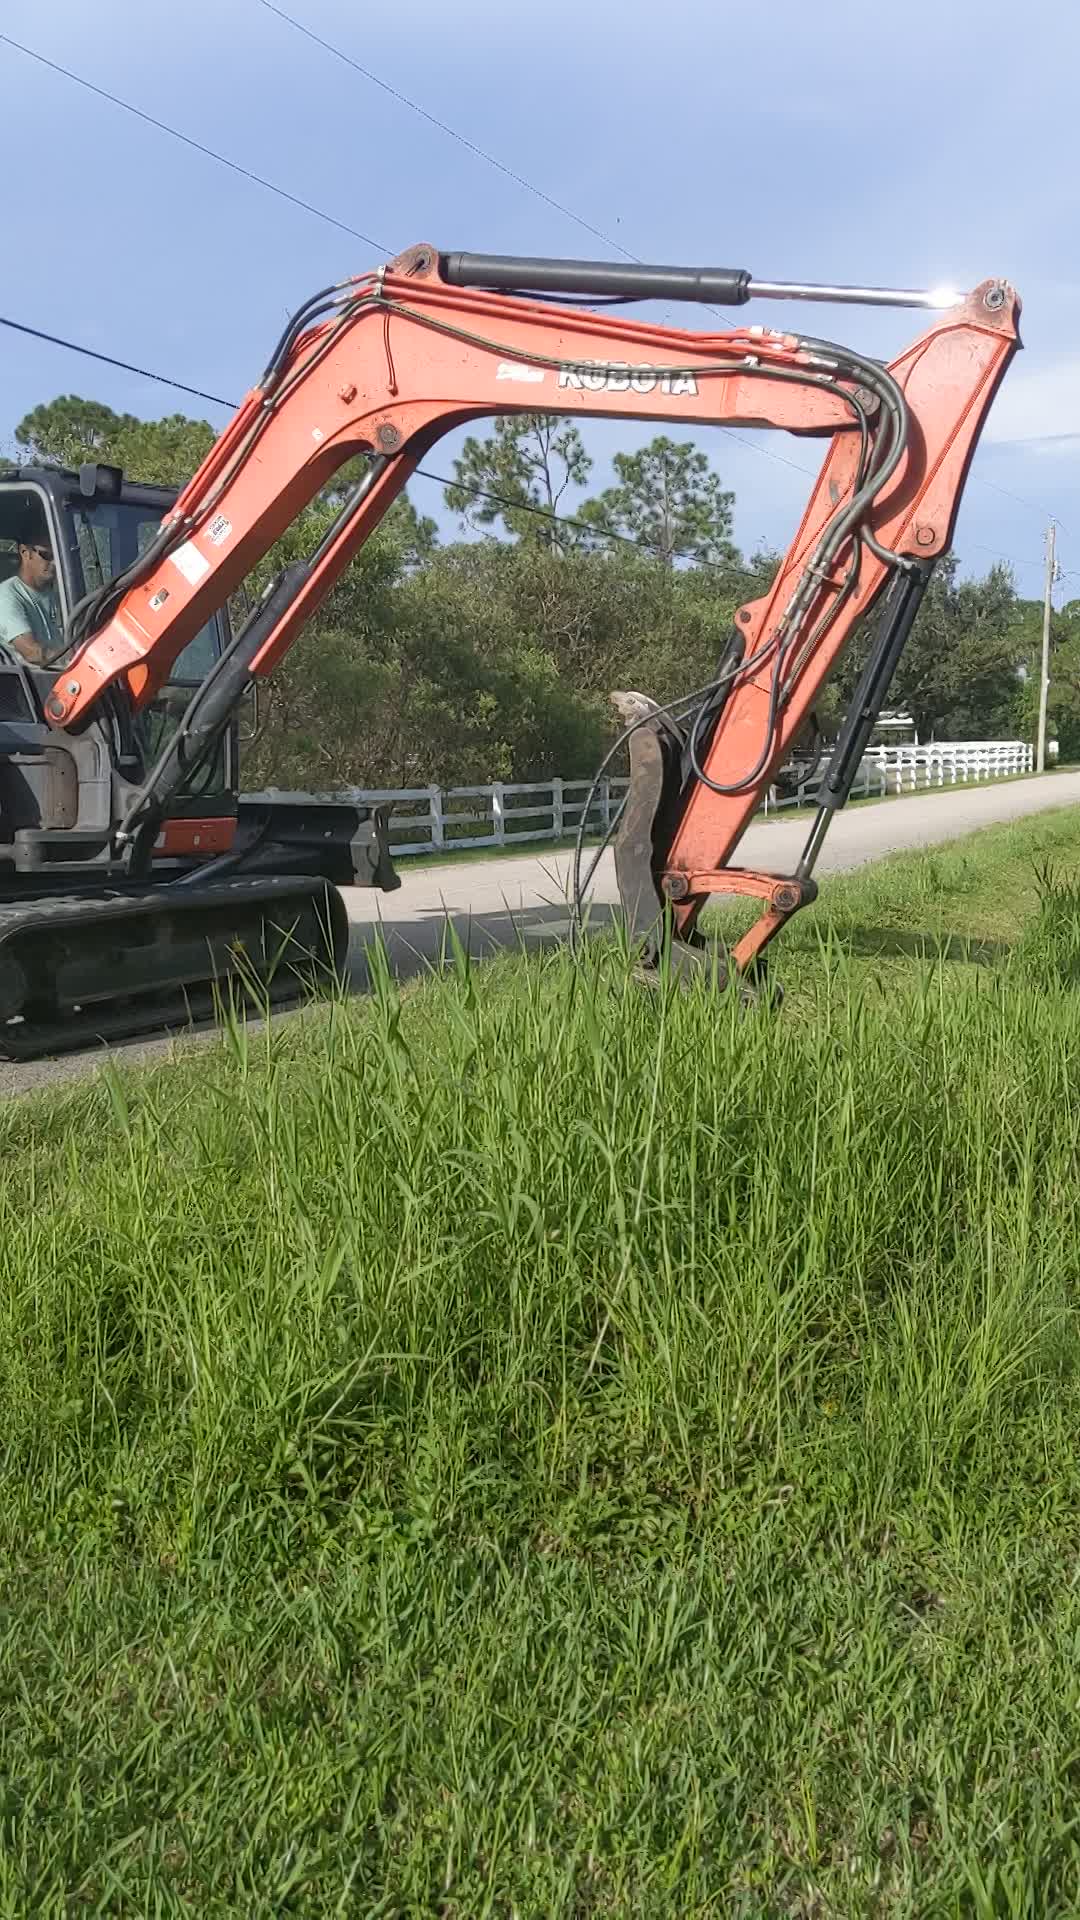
x: 522, y: 899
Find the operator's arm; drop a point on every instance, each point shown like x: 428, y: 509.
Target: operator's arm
x: 14, y: 632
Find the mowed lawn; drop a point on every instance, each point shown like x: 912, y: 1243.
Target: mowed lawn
x: 534, y: 1447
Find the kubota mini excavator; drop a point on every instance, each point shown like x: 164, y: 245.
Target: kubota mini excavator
x: 133, y: 880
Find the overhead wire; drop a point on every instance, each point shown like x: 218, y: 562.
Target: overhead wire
x: 481, y: 153
x: 844, y: 522
x: 453, y: 133
x: 1042, y: 512
x: 521, y: 180
x: 320, y: 213
x: 440, y: 479
x: 126, y: 366
x: 198, y: 146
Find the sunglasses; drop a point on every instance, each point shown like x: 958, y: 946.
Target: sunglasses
x: 43, y: 553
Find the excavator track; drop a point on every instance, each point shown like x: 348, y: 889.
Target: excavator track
x: 79, y: 971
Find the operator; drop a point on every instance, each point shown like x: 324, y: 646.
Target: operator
x: 28, y: 612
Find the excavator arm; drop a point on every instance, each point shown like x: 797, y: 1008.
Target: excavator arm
x: 385, y: 364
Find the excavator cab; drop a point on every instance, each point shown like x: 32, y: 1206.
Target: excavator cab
x: 97, y: 523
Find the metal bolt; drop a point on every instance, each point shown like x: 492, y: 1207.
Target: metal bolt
x: 786, y: 899
x: 347, y: 393
x: 388, y: 438
x: 925, y: 536
x: 676, y: 886
x: 744, y: 616
x: 73, y: 686
x: 995, y: 297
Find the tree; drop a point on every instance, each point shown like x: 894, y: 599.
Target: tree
x: 670, y: 502
x: 166, y: 452
x: 70, y: 430
x: 960, y: 673
x: 1063, y: 695
x: 527, y: 463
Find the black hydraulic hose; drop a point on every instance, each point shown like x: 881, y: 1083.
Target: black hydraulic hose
x: 298, y: 321
x: 897, y: 619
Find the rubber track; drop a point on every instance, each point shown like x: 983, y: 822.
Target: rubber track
x: 150, y: 1011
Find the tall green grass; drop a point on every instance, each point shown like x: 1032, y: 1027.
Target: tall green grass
x: 530, y: 1447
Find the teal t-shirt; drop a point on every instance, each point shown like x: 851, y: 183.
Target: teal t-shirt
x: 24, y: 610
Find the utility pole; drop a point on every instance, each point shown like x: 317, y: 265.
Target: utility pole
x: 1044, y: 685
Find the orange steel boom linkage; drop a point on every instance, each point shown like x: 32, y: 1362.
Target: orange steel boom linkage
x: 387, y: 363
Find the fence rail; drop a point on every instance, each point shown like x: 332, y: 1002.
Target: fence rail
x: 456, y: 819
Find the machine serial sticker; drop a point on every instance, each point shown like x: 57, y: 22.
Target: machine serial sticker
x: 190, y: 562
x: 219, y: 529
x: 516, y: 370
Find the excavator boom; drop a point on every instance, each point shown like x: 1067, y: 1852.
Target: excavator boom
x: 385, y: 364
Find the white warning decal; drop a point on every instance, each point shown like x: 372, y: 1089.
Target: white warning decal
x: 517, y: 370
x: 190, y: 562
x: 219, y: 529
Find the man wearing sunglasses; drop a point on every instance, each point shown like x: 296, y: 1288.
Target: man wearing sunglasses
x: 28, y: 622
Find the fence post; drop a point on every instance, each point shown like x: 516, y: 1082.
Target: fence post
x: 557, y: 809
x: 435, y: 811
x: 498, y: 813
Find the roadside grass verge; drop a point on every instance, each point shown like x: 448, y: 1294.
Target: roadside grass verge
x: 528, y: 1447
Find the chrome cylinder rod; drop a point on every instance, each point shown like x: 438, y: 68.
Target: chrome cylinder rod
x: 855, y: 296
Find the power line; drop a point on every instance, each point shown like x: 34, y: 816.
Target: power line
x: 126, y: 366
x: 330, y: 218
x: 479, y: 493
x: 568, y: 520
x: 519, y: 179
x: 319, y: 213
x: 1043, y: 512
x: 462, y: 139
x: 338, y: 53
x: 1008, y: 558
x: 441, y: 479
x: 221, y: 158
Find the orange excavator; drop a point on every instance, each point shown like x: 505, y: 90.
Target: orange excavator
x: 133, y: 879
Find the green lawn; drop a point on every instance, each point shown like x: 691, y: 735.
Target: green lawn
x: 530, y: 1447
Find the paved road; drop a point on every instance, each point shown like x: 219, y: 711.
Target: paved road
x: 523, y: 898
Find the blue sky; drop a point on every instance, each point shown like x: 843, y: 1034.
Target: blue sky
x: 836, y: 143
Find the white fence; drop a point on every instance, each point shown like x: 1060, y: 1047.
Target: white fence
x: 951, y: 763
x: 908, y: 769
x: 497, y: 816
x: 450, y: 819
